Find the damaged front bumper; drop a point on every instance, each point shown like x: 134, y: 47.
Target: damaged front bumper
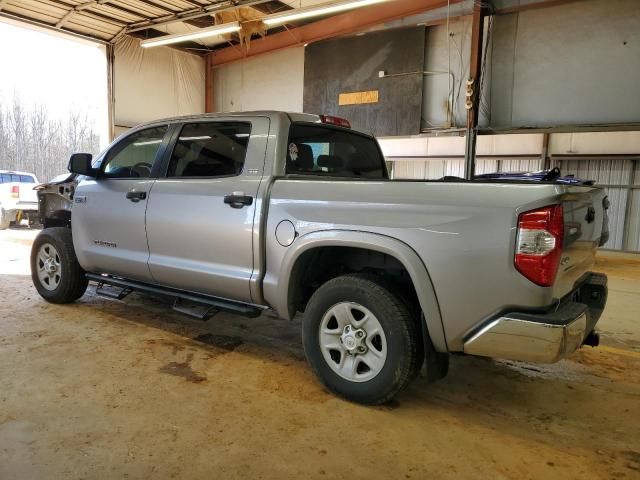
x: 548, y: 336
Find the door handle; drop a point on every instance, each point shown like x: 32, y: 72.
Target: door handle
x: 135, y: 196
x: 238, y: 200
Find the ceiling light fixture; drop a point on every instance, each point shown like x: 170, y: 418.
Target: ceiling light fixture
x: 307, y: 12
x: 183, y: 37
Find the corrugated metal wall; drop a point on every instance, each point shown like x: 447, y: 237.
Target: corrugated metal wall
x: 618, y: 177
x: 434, y: 168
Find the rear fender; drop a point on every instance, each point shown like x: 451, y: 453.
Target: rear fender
x: 277, y: 289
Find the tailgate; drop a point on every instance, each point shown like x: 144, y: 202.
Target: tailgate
x: 586, y: 228
x: 27, y: 193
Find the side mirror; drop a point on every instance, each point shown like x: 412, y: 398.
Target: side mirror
x: 80, y: 163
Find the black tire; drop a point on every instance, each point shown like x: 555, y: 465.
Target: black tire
x: 403, y: 338
x: 4, y: 220
x: 72, y: 282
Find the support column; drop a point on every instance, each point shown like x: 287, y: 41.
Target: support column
x: 208, y: 85
x: 546, y: 161
x: 473, y: 90
x: 110, y: 53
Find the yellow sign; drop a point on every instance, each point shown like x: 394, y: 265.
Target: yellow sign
x: 356, y: 98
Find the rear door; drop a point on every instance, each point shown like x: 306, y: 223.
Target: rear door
x: 200, y: 217
x: 108, y: 218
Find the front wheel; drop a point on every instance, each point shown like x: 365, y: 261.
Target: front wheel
x: 55, y: 270
x: 361, y: 339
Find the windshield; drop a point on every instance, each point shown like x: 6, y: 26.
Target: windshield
x: 317, y: 149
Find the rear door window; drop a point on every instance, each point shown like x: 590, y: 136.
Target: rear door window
x: 328, y: 151
x: 27, y: 179
x: 210, y: 149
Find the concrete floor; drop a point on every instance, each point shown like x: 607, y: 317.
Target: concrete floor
x: 109, y: 389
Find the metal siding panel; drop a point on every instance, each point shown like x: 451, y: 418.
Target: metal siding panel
x: 606, y: 171
x: 633, y: 234
x: 409, y: 169
x: 486, y: 166
x: 454, y: 167
x: 520, y: 165
x: 618, y: 199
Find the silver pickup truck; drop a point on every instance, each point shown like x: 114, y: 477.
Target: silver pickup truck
x: 245, y: 212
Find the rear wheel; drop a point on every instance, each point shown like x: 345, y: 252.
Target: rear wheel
x: 55, y: 270
x: 361, y: 340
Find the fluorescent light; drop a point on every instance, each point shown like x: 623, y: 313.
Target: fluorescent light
x: 183, y: 37
x: 302, y: 13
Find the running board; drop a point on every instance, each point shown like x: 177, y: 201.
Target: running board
x: 212, y: 302
x: 112, y: 292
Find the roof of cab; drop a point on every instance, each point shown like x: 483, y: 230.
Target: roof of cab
x: 15, y: 172
x: 295, y: 116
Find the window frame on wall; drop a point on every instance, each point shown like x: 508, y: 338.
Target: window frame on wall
x: 175, y: 139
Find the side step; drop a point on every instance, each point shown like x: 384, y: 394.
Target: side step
x: 212, y: 303
x: 197, y: 310
x: 112, y: 292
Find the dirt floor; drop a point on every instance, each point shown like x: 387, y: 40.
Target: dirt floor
x: 129, y: 389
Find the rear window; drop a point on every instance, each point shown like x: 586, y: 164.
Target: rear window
x: 324, y: 150
x: 16, y: 178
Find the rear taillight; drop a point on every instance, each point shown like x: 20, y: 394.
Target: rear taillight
x: 539, y: 244
x: 15, y: 191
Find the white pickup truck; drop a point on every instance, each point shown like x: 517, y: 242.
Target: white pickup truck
x: 296, y: 213
x: 18, y: 199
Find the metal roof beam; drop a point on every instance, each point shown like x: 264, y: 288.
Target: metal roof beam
x: 192, y: 14
x: 342, y: 24
x: 84, y: 8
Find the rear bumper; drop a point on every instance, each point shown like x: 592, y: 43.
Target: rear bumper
x: 544, y: 337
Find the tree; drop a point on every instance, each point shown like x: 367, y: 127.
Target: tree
x: 32, y: 140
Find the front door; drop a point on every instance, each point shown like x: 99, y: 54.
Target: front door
x: 200, y: 216
x: 108, y: 217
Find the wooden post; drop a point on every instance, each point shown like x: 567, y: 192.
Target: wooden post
x: 473, y: 90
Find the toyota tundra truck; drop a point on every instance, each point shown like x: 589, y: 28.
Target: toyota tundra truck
x: 248, y: 212
x: 18, y: 200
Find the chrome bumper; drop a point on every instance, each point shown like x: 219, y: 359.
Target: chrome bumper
x: 545, y: 337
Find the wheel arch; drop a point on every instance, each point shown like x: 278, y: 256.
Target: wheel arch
x: 57, y: 218
x: 367, y: 241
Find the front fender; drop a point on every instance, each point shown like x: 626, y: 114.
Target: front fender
x: 278, y: 275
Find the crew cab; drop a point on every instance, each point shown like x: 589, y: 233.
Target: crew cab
x: 295, y: 213
x: 18, y: 200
